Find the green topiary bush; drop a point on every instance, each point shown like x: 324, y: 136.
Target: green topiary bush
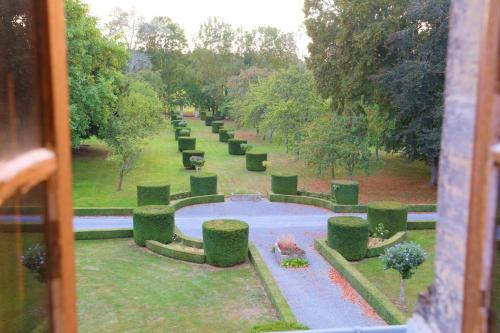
x: 153, y: 194
x: 203, y: 183
x: 203, y: 115
x: 216, y: 126
x: 182, y: 124
x: 225, y: 134
x: 186, y: 155
x: 392, y: 215
x: 282, y: 183
x: 186, y: 143
x: 345, y: 192
x: 225, y: 242
x: 178, y: 130
x: 154, y: 223
x: 349, y: 236
x: 255, y: 160
x: 208, y: 120
x: 175, y: 122
x: 234, y: 146
x: 277, y: 326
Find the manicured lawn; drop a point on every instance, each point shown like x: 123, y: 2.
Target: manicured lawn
x: 95, y: 177
x: 388, y: 281
x: 123, y: 288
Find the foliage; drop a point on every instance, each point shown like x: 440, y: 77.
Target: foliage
x: 35, y: 259
x: 295, y: 263
x: 393, y: 215
x: 137, y: 116
x: 203, y: 184
x: 197, y: 162
x: 225, y: 242
x: 95, y: 72
x: 153, y: 194
x: 282, y: 183
x: 380, y: 231
x: 277, y: 326
x: 153, y: 222
x: 349, y: 236
x: 124, y: 26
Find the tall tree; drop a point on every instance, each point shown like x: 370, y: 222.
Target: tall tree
x: 416, y: 80
x: 96, y: 66
x: 124, y: 26
x: 215, y: 35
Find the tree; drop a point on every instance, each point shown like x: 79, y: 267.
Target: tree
x: 215, y: 35
x: 415, y: 81
x: 161, y: 34
x: 137, y: 116
x: 95, y: 66
x: 404, y: 258
x: 124, y: 26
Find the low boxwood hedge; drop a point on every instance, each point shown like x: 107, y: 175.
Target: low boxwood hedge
x: 208, y: 120
x: 225, y: 134
x: 203, y: 115
x: 186, y: 143
x: 345, y: 192
x: 277, y: 326
x: 283, y: 183
x: 178, y: 130
x: 203, y: 183
x: 155, y: 222
x: 205, y: 199
x: 153, y: 194
x: 348, y: 235
x: 216, y: 126
x: 186, y: 155
x: 103, y: 234
x: 234, y: 146
x: 255, y: 159
x: 225, y: 242
x: 392, y: 215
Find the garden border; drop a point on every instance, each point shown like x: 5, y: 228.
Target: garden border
x: 194, y: 255
x: 283, y: 309
x: 382, y: 305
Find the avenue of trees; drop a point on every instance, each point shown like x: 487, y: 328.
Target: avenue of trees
x: 373, y: 79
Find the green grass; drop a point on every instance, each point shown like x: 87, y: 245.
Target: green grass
x: 122, y: 288
x: 95, y: 177
x: 388, y: 281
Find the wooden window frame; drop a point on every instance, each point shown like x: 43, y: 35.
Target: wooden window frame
x: 51, y: 163
x: 484, y: 180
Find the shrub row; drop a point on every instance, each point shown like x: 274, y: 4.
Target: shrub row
x: 349, y: 236
x: 365, y: 288
x: 153, y: 194
x: 103, y: 234
x: 302, y: 200
x: 225, y: 242
x: 198, y: 200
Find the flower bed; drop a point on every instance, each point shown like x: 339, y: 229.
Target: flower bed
x: 289, y: 254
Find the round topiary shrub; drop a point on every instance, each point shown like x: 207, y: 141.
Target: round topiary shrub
x: 186, y: 155
x: 255, y: 159
x: 225, y: 134
x: 216, y: 126
x: 153, y: 194
x: 225, y: 242
x: 235, y: 148
x: 203, y: 183
x: 345, y: 192
x: 208, y: 120
x: 203, y: 115
x: 175, y: 122
x: 349, y: 236
x: 154, y: 223
x: 282, y: 183
x: 178, y: 130
x: 186, y: 143
x: 182, y: 124
x: 392, y: 215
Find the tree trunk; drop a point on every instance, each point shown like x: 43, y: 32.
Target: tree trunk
x: 333, y: 171
x: 402, y: 292
x: 376, y: 153
x: 120, y: 178
x: 434, y: 172
x: 270, y: 137
x: 350, y: 174
x: 286, y: 143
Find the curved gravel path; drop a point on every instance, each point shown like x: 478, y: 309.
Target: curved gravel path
x: 314, y: 299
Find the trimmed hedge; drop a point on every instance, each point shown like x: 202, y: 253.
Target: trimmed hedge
x: 254, y: 160
x: 321, y: 195
x: 153, y: 223
x: 203, y: 115
x: 277, y: 326
x: 385, y: 309
x: 203, y: 184
x: 225, y: 242
x: 102, y: 211
x: 186, y: 155
x: 234, y: 146
x: 198, y: 200
x: 186, y: 143
x: 327, y: 204
x: 182, y: 124
x: 285, y: 313
x: 349, y: 209
x: 177, y: 251
x: 422, y: 208
x: 225, y: 134
x: 282, y: 183
x: 177, y: 131
x: 153, y: 194
x: 375, y: 251
x: 393, y: 215
x: 175, y: 122
x: 103, y: 234
x: 345, y: 192
x: 208, y: 120
x: 349, y: 236
x: 421, y: 225
x: 216, y: 126
x: 189, y: 241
